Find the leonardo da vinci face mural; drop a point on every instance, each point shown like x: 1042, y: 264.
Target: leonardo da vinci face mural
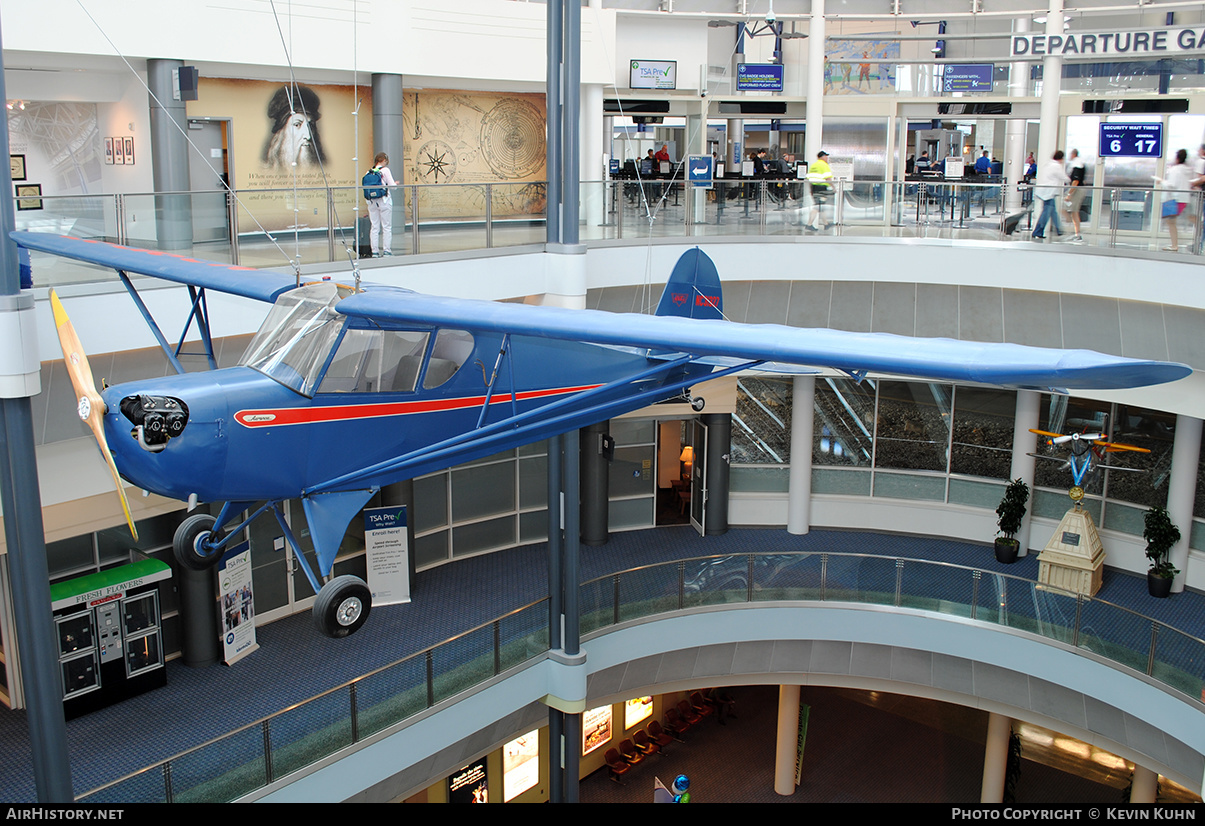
x: 282, y: 138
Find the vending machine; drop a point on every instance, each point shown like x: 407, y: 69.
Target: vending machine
x: 109, y: 635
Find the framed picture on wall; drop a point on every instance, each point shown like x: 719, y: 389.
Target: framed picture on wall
x: 29, y: 196
x: 108, y: 150
x: 16, y: 164
x: 119, y: 151
x: 129, y: 150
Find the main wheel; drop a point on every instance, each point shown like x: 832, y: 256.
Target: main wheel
x: 186, y: 544
x: 342, y: 606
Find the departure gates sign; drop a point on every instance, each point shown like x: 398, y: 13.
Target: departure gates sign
x: 1094, y: 44
x: 1131, y: 140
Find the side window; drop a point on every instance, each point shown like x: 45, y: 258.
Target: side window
x: 452, y: 349
x: 374, y: 361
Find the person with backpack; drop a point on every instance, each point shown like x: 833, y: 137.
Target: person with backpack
x: 376, y: 183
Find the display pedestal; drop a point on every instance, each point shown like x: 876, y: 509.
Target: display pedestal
x: 1074, y: 558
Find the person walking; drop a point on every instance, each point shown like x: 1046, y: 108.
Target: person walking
x: 380, y: 210
x: 1176, y: 188
x: 1076, y: 173
x: 820, y: 176
x: 1048, y: 188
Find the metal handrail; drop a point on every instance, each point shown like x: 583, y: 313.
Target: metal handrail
x: 677, y: 569
x: 349, y: 685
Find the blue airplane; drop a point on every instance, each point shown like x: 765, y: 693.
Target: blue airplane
x: 345, y: 389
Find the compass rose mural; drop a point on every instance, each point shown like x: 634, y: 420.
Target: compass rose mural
x: 465, y: 140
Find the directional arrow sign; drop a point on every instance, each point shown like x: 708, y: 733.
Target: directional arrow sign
x: 699, y: 171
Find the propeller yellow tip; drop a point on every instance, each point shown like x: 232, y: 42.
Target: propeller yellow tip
x: 60, y: 314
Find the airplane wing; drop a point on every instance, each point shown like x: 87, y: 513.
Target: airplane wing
x: 943, y: 359
x: 263, y: 285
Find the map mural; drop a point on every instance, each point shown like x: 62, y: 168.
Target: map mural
x: 871, y: 72
x: 471, y: 139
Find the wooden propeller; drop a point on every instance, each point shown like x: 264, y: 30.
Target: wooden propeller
x: 91, y: 406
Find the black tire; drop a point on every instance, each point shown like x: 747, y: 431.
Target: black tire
x: 342, y: 606
x: 186, y: 542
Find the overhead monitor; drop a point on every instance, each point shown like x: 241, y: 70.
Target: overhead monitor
x: 759, y: 77
x: 653, y: 74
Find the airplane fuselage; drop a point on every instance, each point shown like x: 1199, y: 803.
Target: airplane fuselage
x: 249, y: 437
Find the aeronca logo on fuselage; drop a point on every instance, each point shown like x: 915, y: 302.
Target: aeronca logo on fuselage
x: 256, y: 418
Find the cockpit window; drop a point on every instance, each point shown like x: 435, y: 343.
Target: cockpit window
x: 452, y: 349
x: 373, y: 361
x: 297, y: 336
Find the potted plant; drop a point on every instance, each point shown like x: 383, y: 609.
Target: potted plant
x: 1010, y: 511
x: 1160, y: 534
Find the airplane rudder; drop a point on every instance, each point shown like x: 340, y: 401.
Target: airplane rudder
x: 693, y: 289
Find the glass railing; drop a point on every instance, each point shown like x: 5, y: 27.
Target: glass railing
x: 277, y: 227
x: 251, y: 757
x: 255, y: 755
x: 1123, y: 637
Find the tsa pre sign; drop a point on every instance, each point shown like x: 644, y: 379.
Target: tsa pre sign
x: 238, y: 603
x: 388, y: 548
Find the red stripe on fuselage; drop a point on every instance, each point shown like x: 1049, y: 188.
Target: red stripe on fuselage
x: 281, y: 416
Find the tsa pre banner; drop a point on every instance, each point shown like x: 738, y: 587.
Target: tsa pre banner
x: 238, y: 603
x: 388, y: 548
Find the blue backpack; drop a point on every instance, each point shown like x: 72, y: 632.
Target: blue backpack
x: 372, y: 182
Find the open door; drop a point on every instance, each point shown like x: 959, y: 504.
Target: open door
x: 698, y: 476
x: 209, y: 172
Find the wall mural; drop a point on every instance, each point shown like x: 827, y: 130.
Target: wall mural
x: 871, y: 73
x: 474, y: 138
x: 284, y: 137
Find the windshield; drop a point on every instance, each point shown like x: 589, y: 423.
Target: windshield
x: 295, y: 339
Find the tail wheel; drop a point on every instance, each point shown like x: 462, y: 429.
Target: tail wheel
x: 188, y: 545
x: 342, y: 606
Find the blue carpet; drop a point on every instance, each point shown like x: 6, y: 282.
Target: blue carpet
x: 294, y: 663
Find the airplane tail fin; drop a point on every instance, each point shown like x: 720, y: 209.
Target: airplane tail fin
x: 693, y: 289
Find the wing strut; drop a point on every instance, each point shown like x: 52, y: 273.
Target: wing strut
x: 503, y: 353
x: 199, y: 311
x: 557, y: 417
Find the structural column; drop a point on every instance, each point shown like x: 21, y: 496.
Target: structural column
x: 1052, y: 81
x: 799, y: 487
x: 814, y: 136
x: 387, y: 130
x: 21, y: 502
x: 169, y: 157
x: 1182, y: 490
x: 786, y: 743
x: 595, y: 479
x: 1014, y: 128
x: 1145, y: 787
x: 1026, y: 417
x: 594, y: 145
x: 995, y: 758
x: 719, y: 446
